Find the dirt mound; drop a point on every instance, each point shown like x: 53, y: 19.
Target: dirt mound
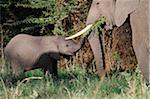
x: 119, y: 53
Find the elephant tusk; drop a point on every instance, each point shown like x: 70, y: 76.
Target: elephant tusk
x: 79, y: 33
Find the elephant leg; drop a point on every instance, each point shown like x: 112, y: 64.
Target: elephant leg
x: 142, y: 55
x: 139, y: 25
x: 16, y: 68
x: 51, y: 67
x: 96, y: 47
x: 54, y: 68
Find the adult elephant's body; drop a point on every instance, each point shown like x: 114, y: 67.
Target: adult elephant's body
x: 116, y: 12
x: 139, y: 24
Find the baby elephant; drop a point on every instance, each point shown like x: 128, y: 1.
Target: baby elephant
x: 25, y: 52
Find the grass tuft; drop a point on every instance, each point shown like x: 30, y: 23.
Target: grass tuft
x: 73, y: 83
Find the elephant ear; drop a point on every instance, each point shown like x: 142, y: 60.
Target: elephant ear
x: 122, y: 9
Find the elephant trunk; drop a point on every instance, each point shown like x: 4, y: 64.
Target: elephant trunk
x: 80, y: 44
x: 96, y: 46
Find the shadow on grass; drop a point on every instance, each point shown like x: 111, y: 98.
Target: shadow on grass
x: 63, y: 74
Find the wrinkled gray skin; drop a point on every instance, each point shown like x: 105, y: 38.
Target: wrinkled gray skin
x: 116, y: 12
x: 26, y: 52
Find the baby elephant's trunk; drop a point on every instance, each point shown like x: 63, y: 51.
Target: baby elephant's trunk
x: 80, y: 43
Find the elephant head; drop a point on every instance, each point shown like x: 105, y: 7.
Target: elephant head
x: 68, y: 47
x: 116, y: 12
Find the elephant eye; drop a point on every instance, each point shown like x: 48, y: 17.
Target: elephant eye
x: 67, y: 45
x: 97, y: 3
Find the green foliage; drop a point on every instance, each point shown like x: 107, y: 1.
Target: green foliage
x: 38, y: 3
x: 40, y: 17
x: 54, y: 11
x: 97, y: 26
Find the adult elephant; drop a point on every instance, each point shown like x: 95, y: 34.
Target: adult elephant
x: 116, y: 13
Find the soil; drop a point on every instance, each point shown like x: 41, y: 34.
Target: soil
x: 119, y: 53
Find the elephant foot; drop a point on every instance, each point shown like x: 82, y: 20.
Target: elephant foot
x: 102, y: 74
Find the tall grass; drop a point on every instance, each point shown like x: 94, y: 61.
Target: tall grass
x: 72, y: 83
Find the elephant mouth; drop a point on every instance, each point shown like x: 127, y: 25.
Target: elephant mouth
x: 71, y: 53
x: 68, y: 54
x: 80, y: 32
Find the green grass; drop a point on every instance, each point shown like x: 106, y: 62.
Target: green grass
x: 72, y: 83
